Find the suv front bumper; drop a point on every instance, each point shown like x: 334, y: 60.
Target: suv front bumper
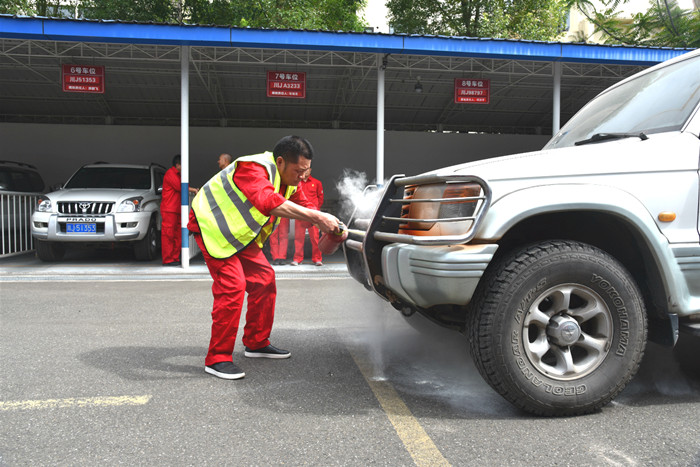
x: 426, y: 276
x: 418, y: 271
x: 117, y: 227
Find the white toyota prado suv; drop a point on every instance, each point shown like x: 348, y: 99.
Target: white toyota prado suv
x: 102, y: 204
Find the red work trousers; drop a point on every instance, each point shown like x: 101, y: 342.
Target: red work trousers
x: 246, y: 271
x: 300, y: 228
x: 279, y: 240
x: 170, y: 236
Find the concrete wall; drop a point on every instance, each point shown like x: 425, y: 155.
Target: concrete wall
x: 59, y: 150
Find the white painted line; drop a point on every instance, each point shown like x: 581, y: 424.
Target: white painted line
x: 174, y: 279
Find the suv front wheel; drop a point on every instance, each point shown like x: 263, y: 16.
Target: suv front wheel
x: 146, y: 249
x: 49, y: 251
x: 558, y: 328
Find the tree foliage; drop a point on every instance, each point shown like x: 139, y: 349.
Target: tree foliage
x: 512, y: 19
x: 664, y: 24
x: 30, y: 7
x: 331, y: 15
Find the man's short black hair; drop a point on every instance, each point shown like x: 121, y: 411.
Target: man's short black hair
x: 176, y: 159
x: 291, y: 147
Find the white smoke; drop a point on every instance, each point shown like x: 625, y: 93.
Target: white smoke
x: 355, y: 197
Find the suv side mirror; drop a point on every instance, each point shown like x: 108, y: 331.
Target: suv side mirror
x: 159, y: 190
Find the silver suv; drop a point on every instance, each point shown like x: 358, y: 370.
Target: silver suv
x: 102, y: 203
x: 557, y: 264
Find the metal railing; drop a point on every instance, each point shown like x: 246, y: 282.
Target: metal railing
x: 15, y: 222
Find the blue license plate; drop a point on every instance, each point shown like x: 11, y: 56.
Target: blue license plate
x: 81, y: 228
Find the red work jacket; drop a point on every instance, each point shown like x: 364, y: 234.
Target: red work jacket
x: 170, y: 199
x: 253, y: 181
x: 313, y: 190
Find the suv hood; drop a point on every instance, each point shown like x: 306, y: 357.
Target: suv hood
x: 625, y: 156
x: 90, y: 194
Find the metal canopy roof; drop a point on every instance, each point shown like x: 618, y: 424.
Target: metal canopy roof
x: 228, y: 76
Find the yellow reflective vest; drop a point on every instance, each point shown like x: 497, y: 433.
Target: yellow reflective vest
x: 227, y: 219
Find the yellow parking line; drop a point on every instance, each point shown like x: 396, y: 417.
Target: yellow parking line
x: 74, y: 402
x: 415, y: 439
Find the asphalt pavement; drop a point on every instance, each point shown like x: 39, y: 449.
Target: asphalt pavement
x: 110, y: 372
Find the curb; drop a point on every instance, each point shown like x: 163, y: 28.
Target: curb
x: 130, y: 272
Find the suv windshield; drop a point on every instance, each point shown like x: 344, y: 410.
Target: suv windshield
x: 655, y: 102
x: 111, y: 177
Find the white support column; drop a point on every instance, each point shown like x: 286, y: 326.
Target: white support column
x: 185, y: 152
x: 380, y: 119
x: 556, y: 99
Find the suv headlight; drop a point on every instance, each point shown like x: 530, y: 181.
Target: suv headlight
x: 440, y: 208
x: 44, y: 204
x: 130, y: 205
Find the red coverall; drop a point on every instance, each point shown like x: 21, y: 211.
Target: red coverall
x: 170, y: 229
x: 246, y: 271
x: 279, y: 240
x: 313, y: 190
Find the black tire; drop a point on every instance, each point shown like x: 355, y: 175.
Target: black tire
x: 558, y: 328
x: 49, y: 251
x: 146, y: 249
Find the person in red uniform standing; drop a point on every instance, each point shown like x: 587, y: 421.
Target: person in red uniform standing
x: 279, y: 242
x: 231, y: 218
x: 313, y: 190
x: 170, y: 227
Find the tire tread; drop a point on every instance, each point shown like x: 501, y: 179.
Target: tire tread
x: 484, y: 308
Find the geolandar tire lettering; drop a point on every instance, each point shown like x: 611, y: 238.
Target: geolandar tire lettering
x: 558, y: 328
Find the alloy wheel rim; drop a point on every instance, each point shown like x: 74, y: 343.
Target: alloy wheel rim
x: 567, y: 332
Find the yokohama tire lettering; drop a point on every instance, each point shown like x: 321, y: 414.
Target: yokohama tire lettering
x: 620, y: 308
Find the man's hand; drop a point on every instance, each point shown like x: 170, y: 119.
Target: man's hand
x: 324, y: 221
x: 327, y: 222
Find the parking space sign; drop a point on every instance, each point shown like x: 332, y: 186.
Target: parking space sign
x: 83, y: 78
x: 472, y: 91
x: 289, y: 84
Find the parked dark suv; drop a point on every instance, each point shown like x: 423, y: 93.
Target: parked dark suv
x: 20, y: 177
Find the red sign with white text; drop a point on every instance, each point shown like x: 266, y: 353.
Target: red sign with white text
x: 84, y: 78
x: 290, y: 84
x: 472, y: 91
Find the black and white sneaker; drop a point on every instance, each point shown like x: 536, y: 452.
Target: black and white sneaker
x: 267, y: 352
x: 225, y: 370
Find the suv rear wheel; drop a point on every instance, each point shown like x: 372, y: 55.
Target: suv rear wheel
x: 559, y: 328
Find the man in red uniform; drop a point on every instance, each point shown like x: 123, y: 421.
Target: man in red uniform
x: 279, y: 241
x: 170, y: 227
x: 313, y: 190
x: 231, y: 218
